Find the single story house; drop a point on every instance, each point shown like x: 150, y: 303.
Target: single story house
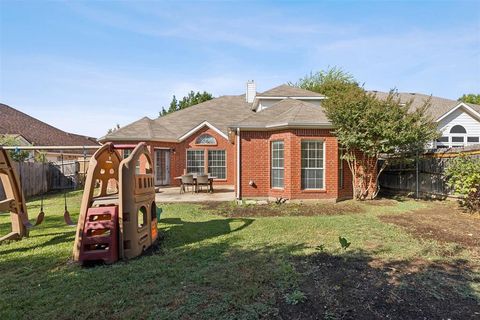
x: 28, y: 131
x: 278, y: 143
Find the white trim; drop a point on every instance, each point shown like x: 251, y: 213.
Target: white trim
x: 237, y: 191
x: 460, y: 105
x: 201, y: 125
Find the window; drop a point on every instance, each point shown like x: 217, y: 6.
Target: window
x: 195, y: 161
x: 457, y: 139
x: 458, y: 129
x: 312, y: 165
x: 473, y: 139
x: 442, y: 139
x: 206, y: 139
x: 217, y: 164
x: 277, y: 178
x: 126, y: 153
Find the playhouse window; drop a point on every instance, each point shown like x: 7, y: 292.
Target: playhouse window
x: 312, y: 165
x: 206, y: 139
x: 277, y: 179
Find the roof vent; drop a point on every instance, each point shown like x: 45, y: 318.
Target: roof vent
x: 251, y: 91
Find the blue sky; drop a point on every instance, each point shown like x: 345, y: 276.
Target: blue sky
x: 85, y: 66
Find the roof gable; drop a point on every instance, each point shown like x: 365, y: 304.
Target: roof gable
x: 286, y: 113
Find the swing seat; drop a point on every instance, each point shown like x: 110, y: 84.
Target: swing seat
x: 68, y: 219
x: 27, y: 224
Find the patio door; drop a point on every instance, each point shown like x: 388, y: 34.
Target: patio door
x: 162, y: 167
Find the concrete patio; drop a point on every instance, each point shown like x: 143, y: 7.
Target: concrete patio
x: 172, y: 194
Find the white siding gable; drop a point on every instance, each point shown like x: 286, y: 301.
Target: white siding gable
x: 460, y: 117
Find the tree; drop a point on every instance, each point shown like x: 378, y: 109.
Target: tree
x: 368, y: 128
x: 470, y: 98
x: 15, y: 155
x: 189, y: 100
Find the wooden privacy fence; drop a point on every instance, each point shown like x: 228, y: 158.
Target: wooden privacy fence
x: 423, y: 176
x: 37, y: 178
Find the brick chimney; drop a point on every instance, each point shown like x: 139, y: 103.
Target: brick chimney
x: 251, y: 91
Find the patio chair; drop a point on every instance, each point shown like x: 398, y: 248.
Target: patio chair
x: 202, y: 180
x: 187, y: 181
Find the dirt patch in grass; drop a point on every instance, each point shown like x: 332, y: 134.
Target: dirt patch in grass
x: 442, y: 222
x: 358, y: 287
x: 287, y: 209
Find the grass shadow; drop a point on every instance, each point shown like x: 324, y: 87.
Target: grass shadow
x: 181, y: 232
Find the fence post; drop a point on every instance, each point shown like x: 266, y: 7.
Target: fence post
x: 417, y: 187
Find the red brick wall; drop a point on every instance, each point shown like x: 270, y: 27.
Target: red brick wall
x: 255, y: 157
x: 178, y: 157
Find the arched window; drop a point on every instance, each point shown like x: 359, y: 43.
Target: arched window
x: 458, y: 129
x: 206, y: 139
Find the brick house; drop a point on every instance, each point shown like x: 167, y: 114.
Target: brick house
x: 278, y: 143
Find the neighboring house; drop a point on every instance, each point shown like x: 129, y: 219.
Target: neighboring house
x: 459, y: 122
x: 30, y: 131
x: 274, y: 144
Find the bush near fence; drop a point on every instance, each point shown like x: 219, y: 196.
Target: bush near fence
x: 401, y: 176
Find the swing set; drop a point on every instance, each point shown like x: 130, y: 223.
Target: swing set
x: 113, y: 224
x: 15, y: 199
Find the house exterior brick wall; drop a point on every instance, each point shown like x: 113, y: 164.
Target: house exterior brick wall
x: 256, y: 165
x: 178, y: 154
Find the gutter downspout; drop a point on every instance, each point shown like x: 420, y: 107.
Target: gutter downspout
x: 238, y: 192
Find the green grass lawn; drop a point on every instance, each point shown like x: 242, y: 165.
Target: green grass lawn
x: 208, y: 265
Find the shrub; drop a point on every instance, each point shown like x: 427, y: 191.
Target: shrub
x: 463, y: 175
x: 295, y: 297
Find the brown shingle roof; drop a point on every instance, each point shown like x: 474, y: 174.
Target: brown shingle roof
x: 13, y: 121
x: 287, y: 91
x: 219, y: 112
x: 439, y: 106
x: 286, y: 113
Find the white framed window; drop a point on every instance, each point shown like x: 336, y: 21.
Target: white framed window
x: 217, y: 163
x: 195, y: 161
x: 277, y: 165
x: 313, y: 164
x: 206, y: 139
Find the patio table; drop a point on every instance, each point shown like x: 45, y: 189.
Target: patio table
x: 210, y: 181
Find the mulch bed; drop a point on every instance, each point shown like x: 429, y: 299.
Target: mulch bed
x: 286, y: 209
x: 444, y: 223
x: 358, y: 287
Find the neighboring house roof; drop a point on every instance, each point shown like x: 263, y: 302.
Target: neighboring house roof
x: 36, y: 132
x: 219, y: 112
x: 438, y: 108
x: 286, y: 113
x: 287, y: 91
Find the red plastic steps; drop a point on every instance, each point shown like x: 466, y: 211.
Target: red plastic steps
x: 100, y: 235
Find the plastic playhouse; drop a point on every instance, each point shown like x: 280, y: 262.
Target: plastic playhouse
x: 118, y: 215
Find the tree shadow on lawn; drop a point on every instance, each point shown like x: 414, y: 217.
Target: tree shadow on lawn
x: 358, y: 286
x: 181, y: 232
x: 225, y: 280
